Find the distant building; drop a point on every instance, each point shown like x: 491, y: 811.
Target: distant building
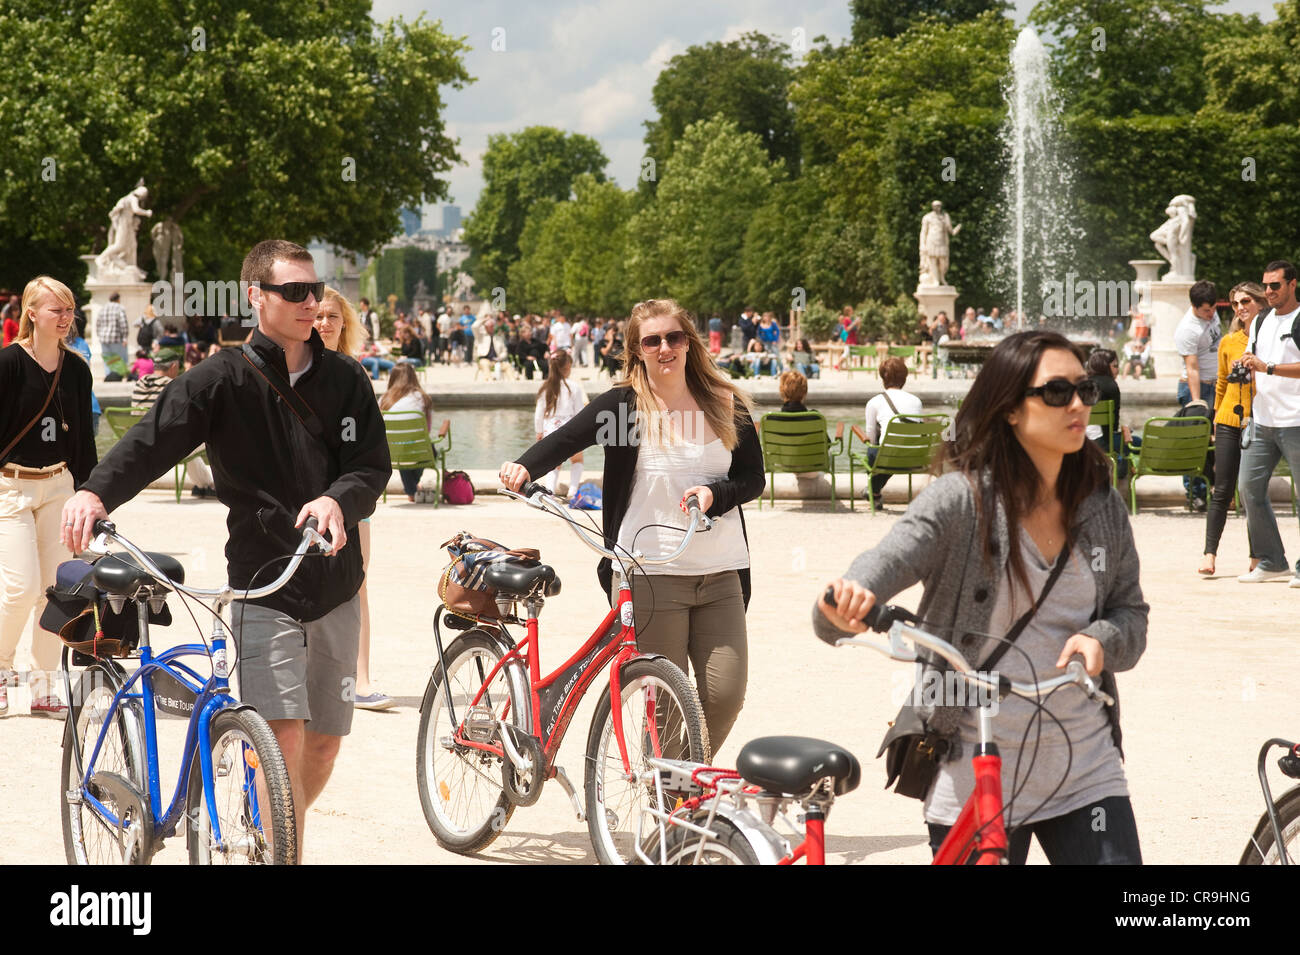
x: 451, y: 221
x: 411, y: 221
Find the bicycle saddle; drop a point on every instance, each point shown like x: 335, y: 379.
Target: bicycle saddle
x: 520, y: 578
x: 793, y: 764
x: 120, y: 574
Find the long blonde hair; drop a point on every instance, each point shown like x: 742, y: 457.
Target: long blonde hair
x: 720, y: 400
x: 352, y: 337
x: 402, y: 381
x: 35, y: 288
x: 1255, y: 291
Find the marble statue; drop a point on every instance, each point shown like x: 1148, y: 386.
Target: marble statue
x: 1174, y: 239
x: 936, y: 227
x: 117, y: 261
x: 168, y: 248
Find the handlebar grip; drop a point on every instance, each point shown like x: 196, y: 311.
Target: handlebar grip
x: 530, y: 488
x: 104, y: 527
x: 879, y: 618
x: 311, y: 524
x: 693, y: 501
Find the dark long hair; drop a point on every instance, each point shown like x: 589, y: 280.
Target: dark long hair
x: 556, y: 372
x: 986, y: 450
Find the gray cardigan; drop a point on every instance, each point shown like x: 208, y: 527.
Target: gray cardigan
x: 937, y: 542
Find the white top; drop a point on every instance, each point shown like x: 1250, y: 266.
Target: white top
x: 444, y: 324
x: 1277, y: 400
x: 411, y: 401
x: 663, y: 473
x: 295, y: 375
x: 568, y: 403
x: 1195, y: 337
x: 562, y: 334
x: 879, y: 414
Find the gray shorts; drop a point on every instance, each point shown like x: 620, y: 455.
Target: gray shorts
x: 291, y: 670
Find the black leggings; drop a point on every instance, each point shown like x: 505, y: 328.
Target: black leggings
x: 1103, y: 833
x: 1227, y: 460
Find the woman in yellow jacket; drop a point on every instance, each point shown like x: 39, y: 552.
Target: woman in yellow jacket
x: 1233, y: 403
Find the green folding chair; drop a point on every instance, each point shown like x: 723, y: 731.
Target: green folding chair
x: 1103, y: 415
x: 909, y: 355
x: 410, y: 448
x: 860, y: 358
x: 908, y: 446
x: 122, y: 419
x: 795, y: 442
x: 1171, y: 447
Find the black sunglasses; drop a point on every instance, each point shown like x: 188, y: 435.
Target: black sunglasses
x: 1059, y: 392
x: 296, y: 291
x: 1273, y: 286
x: 675, y: 339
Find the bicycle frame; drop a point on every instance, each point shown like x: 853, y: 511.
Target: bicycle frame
x: 558, y: 694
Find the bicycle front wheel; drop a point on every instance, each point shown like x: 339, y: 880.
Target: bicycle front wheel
x: 1262, y: 849
x: 461, y: 787
x: 662, y: 717
x: 90, y: 838
x: 252, y: 799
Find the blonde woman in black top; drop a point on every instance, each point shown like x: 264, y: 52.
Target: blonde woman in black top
x: 48, y: 451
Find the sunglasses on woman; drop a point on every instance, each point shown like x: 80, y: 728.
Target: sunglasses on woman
x: 295, y: 292
x: 1059, y: 392
x: 675, y: 340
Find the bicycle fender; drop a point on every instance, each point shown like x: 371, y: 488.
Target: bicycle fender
x: 769, y: 847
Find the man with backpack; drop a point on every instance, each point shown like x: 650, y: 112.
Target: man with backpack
x: 292, y: 431
x: 1273, y: 355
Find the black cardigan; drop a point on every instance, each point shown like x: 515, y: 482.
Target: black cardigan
x: 606, y: 421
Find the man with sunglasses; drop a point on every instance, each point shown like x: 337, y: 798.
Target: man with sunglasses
x: 292, y: 431
x: 1273, y: 355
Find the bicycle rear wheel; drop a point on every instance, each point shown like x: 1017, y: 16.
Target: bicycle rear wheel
x: 88, y: 837
x: 1262, y: 850
x: 727, y: 847
x: 662, y: 717
x: 461, y: 787
x: 252, y: 798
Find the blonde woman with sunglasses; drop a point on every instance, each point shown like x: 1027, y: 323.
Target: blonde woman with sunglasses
x: 672, y: 427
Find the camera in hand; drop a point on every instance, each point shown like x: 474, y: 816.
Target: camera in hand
x: 1239, y: 375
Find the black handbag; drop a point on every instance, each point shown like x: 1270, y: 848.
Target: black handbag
x: 911, y: 749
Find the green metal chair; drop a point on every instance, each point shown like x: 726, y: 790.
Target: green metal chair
x: 1103, y: 415
x: 122, y: 419
x: 863, y: 355
x: 1171, y: 447
x: 410, y: 448
x: 795, y: 442
x: 909, y: 354
x: 908, y: 446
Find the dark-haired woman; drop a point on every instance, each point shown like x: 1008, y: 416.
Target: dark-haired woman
x: 1026, y: 489
x: 558, y: 400
x: 1103, y: 368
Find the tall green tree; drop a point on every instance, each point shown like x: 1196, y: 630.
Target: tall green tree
x: 1118, y: 58
x: 273, y: 118
x: 889, y: 18
x: 746, y: 81
x: 688, y: 243
x: 536, y: 278
x: 1256, y: 76
x: 519, y: 169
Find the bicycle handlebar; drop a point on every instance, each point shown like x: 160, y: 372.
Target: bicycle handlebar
x: 535, y: 495
x: 310, y: 536
x: 897, y: 623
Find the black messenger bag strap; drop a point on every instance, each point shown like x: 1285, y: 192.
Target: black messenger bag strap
x: 1023, y: 622
x: 302, y: 411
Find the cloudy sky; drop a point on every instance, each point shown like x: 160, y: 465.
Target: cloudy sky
x: 588, y: 66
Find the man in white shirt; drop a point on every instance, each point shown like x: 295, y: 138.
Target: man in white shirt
x: 444, y: 335
x: 1274, y: 356
x: 882, y: 409
x: 561, y: 334
x: 1197, y: 340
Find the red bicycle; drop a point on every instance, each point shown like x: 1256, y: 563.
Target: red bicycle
x: 729, y: 820
x: 491, y: 725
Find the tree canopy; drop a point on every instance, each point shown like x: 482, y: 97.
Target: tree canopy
x: 889, y: 18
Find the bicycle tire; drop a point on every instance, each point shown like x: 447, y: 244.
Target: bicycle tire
x: 86, y: 840
x: 472, y: 807
x: 727, y: 847
x: 614, y: 802
x: 1259, y: 851
x: 242, y: 813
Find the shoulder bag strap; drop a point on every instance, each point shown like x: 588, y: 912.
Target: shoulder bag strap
x: 301, y: 410
x: 58, y: 371
x: 1023, y: 622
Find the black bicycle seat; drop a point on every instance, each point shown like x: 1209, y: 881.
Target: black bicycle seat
x: 520, y: 578
x: 791, y: 765
x: 121, y: 574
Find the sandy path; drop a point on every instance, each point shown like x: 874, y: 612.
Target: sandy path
x: 1218, y: 678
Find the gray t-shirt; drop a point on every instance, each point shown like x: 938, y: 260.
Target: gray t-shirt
x: 1094, y: 767
x: 1195, y: 337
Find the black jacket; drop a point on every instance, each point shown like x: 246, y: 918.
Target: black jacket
x: 606, y: 421
x: 265, y: 463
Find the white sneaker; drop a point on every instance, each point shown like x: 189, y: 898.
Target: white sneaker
x: 1295, y: 581
x: 1259, y: 574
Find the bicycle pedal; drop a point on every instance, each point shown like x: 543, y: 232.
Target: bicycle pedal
x: 480, y: 724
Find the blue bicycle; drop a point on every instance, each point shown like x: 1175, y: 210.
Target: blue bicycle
x: 233, y: 788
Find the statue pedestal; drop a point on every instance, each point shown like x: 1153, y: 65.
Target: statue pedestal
x: 134, y: 297
x: 933, y: 299
x: 1164, y: 302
